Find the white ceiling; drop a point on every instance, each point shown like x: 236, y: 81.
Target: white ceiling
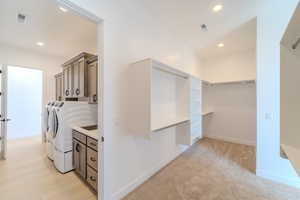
x: 64, y: 34
x: 292, y: 33
x: 242, y: 38
x: 187, y: 16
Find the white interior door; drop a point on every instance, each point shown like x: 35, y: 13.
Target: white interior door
x: 3, y: 111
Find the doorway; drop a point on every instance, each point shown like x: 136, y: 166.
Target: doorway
x: 24, y: 102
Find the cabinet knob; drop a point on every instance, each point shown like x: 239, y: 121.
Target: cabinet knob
x: 92, y: 178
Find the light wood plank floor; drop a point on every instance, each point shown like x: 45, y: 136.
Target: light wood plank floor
x: 213, y: 170
x: 28, y: 174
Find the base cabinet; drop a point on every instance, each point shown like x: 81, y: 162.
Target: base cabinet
x: 85, y: 158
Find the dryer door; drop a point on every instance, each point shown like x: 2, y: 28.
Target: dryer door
x: 55, y: 124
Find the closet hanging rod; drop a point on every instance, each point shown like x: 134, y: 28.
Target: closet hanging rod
x: 253, y: 81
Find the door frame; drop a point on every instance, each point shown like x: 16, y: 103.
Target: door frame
x: 3, y: 105
x: 97, y: 20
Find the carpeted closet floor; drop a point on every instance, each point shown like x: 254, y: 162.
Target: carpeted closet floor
x: 213, y: 170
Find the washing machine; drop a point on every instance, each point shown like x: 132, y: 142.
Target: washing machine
x: 66, y: 115
x: 48, y: 128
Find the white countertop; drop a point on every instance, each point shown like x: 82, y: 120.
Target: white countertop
x: 90, y: 133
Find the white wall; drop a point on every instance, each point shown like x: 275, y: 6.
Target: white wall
x: 271, y: 27
x: 128, y: 159
x: 234, y: 117
x: 234, y: 105
x: 25, y: 58
x: 233, y: 67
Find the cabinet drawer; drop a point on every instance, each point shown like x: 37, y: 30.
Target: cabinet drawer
x: 92, y: 158
x: 80, y: 137
x: 92, y: 143
x: 92, y: 178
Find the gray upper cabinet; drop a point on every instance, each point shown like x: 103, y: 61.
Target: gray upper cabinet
x: 75, y: 76
x: 59, y: 87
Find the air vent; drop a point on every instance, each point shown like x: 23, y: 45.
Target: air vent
x: 21, y: 18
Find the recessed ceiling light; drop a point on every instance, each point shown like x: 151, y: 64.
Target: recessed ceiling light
x: 218, y: 8
x: 220, y: 45
x: 40, y: 44
x: 63, y: 9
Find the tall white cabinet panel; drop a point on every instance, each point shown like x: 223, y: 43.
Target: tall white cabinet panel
x: 196, y: 108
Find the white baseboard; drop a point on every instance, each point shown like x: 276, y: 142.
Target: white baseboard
x: 277, y: 178
x: 231, y: 139
x: 141, y: 179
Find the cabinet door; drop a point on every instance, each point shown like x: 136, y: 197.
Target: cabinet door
x: 76, y: 71
x: 67, y: 81
x: 79, y: 78
x: 79, y: 158
x: 93, y: 81
x: 58, y: 87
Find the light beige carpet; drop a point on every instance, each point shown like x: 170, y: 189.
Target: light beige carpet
x: 213, y: 170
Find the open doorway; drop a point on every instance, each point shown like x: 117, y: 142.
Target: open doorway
x: 229, y: 93
x: 26, y: 84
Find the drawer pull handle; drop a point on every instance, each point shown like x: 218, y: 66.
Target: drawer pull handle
x: 93, y: 159
x: 93, y: 144
x: 92, y: 178
x: 78, y: 147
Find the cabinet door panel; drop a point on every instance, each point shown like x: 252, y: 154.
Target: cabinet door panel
x: 58, y: 87
x: 70, y: 80
x: 79, y: 158
x: 92, y: 81
x: 66, y: 82
x: 76, y: 81
x: 81, y: 78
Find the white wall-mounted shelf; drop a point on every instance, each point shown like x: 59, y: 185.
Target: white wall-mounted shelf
x: 207, y: 113
x: 168, y: 124
x: 165, y: 97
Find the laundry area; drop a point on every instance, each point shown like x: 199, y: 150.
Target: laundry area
x: 49, y: 102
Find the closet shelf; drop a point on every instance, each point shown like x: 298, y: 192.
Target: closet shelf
x: 293, y: 155
x: 207, y: 113
x: 169, y: 124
